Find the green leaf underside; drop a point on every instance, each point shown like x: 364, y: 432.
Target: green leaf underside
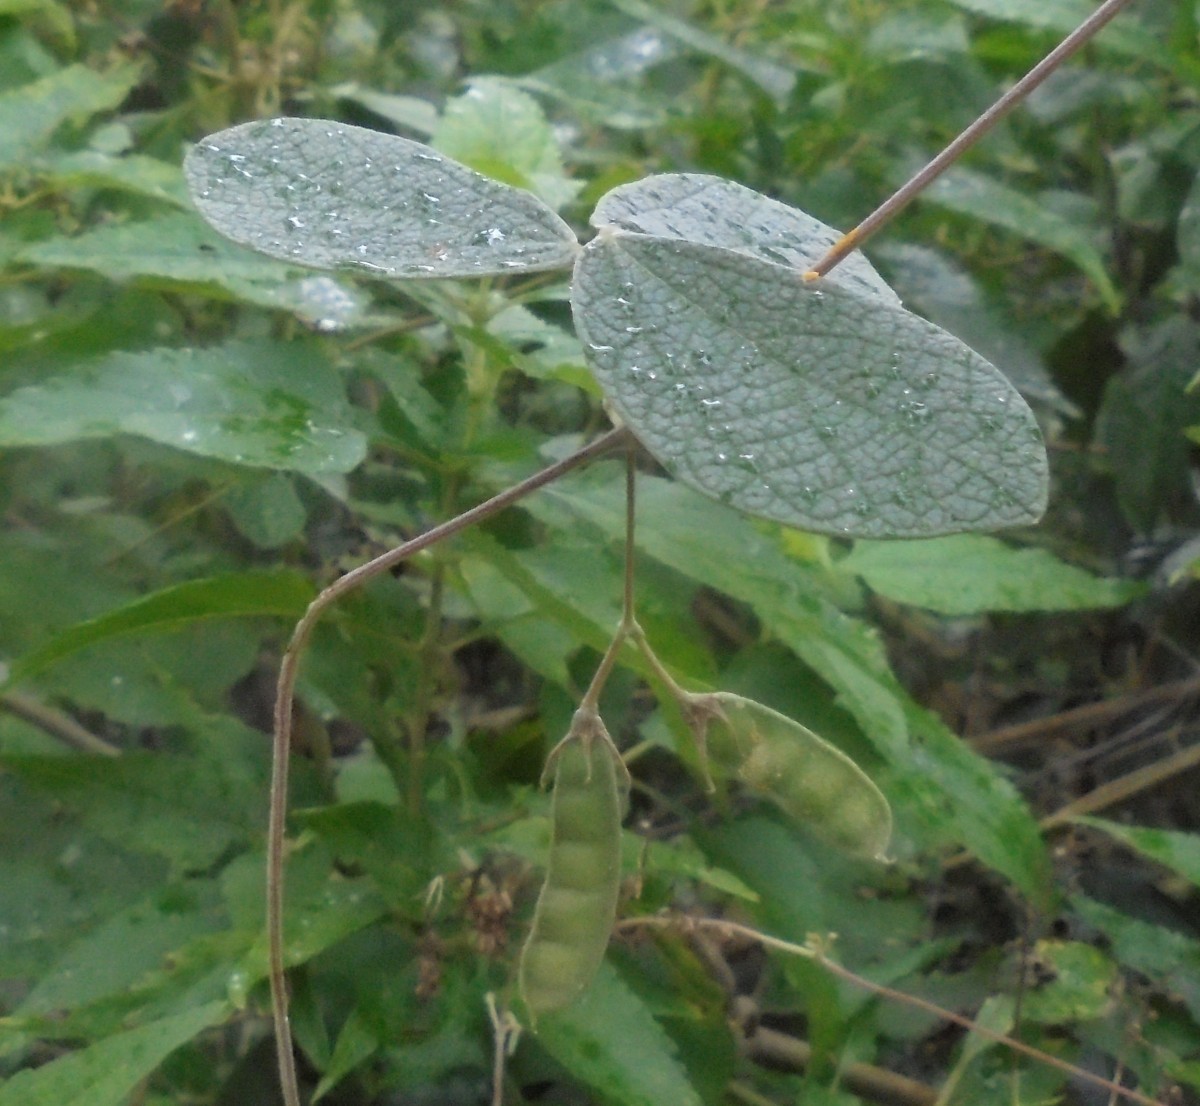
x: 329, y: 195
x: 694, y: 207
x: 963, y: 574
x: 262, y: 404
x: 808, y: 405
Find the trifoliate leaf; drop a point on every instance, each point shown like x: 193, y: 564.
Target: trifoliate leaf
x: 805, y: 403
x: 329, y: 195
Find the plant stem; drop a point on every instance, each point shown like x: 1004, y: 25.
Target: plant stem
x: 285, y: 694
x: 899, y: 199
x: 429, y: 656
x: 56, y: 723
x: 591, y: 698
x: 816, y: 954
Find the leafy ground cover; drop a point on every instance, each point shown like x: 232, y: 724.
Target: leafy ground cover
x: 196, y: 437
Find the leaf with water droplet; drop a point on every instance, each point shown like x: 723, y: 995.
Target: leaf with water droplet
x: 329, y: 195
x: 182, y: 250
x: 862, y: 419
x: 262, y: 404
x: 716, y: 212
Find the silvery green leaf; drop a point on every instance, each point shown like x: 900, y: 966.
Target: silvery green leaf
x: 329, y: 195
x: 804, y: 403
x: 716, y: 212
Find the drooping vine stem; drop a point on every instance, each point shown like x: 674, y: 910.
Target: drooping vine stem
x: 285, y: 695
x: 883, y: 214
x: 814, y: 952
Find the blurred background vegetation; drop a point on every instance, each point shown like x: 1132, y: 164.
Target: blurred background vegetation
x: 195, y: 439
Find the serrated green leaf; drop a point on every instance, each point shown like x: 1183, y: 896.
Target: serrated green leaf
x: 610, y: 1041
x: 247, y: 594
x: 716, y: 212
x: 267, y: 405
x: 942, y: 787
x: 407, y: 112
x: 919, y: 36
x: 1144, y: 415
x: 29, y: 115
x: 185, y: 809
x: 126, y: 948
x: 181, y: 249
x: 54, y: 14
x: 134, y: 173
x: 502, y: 132
x: 812, y: 782
x: 106, y: 1073
x: 267, y: 510
x: 965, y: 574
x: 809, y: 405
x: 1171, y: 848
x: 1063, y: 16
x: 58, y: 883
x: 1170, y: 959
x: 1188, y: 228
x: 1081, y: 979
x: 357, y: 1041
x: 323, y: 908
x: 329, y: 195
x: 980, y: 197
x: 600, y: 82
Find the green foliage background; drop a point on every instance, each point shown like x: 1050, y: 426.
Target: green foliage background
x: 195, y: 438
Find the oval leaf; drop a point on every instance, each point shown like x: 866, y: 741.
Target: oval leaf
x: 810, y: 780
x: 328, y: 195
x: 716, y: 212
x: 810, y: 405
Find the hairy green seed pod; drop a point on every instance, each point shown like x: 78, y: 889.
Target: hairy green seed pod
x: 578, y: 902
x: 810, y: 780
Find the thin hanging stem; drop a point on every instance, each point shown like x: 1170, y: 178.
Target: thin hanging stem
x: 285, y: 694
x: 883, y: 214
x: 627, y: 626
